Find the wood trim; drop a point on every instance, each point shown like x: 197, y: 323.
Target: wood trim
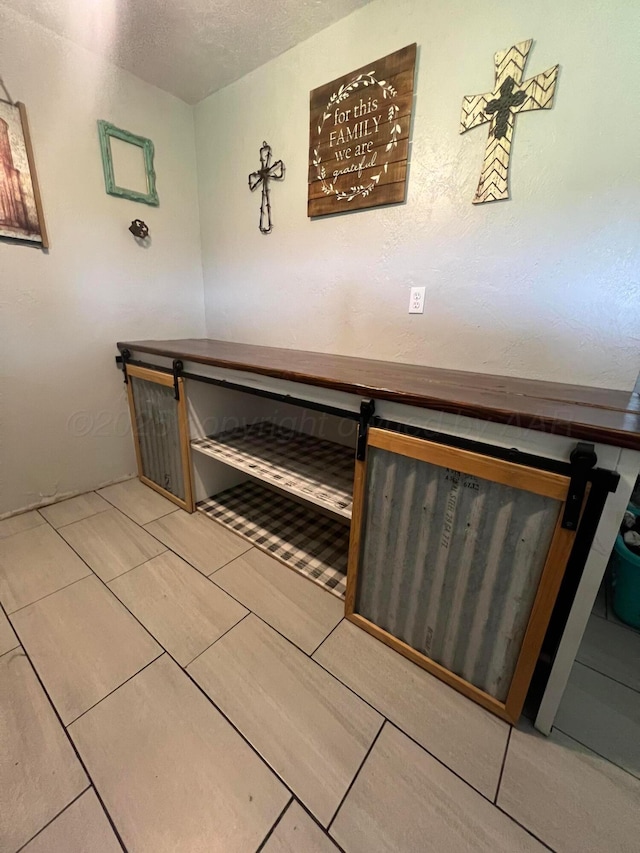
x: 548, y: 588
x: 34, y: 175
x: 185, y: 445
x: 357, y: 519
x: 155, y: 376
x: 434, y: 668
x: 497, y: 470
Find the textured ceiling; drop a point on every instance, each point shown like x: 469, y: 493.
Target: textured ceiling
x: 188, y: 47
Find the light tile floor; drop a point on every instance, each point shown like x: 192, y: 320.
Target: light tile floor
x: 601, y: 705
x: 169, y: 690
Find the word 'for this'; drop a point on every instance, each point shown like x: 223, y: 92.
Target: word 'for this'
x: 363, y: 128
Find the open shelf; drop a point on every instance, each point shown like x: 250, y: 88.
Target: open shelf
x: 314, y: 469
x: 310, y: 543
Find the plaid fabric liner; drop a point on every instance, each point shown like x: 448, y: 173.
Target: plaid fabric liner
x: 311, y: 543
x: 318, y: 470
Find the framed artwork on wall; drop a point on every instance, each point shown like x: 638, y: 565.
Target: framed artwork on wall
x: 108, y: 132
x: 21, y: 216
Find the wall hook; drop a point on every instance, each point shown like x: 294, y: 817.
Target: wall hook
x: 139, y: 229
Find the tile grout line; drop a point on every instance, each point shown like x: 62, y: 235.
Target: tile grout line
x: 598, y: 616
x: 93, y: 572
x: 255, y: 751
x: 17, y: 646
x: 524, y: 828
x: 106, y: 586
x: 184, y: 559
x: 187, y: 674
x: 502, y: 766
x: 151, y: 520
x: 124, y: 515
x: 357, y: 773
x: 70, y: 739
x: 78, y: 520
x: 132, y: 569
x: 322, y: 642
x: 494, y: 805
x: 49, y: 594
x: 244, y: 738
x: 117, y: 687
x: 224, y: 634
x: 325, y: 832
x: 606, y: 675
x: 287, y: 639
x: 318, y: 824
x: 224, y: 565
x: 284, y: 636
x: 620, y: 624
x: 273, y: 827
x: 223, y: 714
x: 407, y: 735
x: 358, y: 696
x: 39, y: 507
x: 55, y: 817
x: 310, y: 655
x: 595, y: 752
x: 96, y: 514
x: 143, y: 527
x: 26, y: 529
x: 346, y: 686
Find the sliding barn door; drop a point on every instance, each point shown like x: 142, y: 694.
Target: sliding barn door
x: 161, y: 433
x: 456, y: 560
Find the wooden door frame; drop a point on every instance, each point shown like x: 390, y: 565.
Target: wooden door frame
x: 165, y: 379
x: 540, y: 482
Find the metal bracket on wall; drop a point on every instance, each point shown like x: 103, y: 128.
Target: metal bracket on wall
x: 367, y: 410
x: 121, y: 361
x: 177, y: 370
x: 583, y: 459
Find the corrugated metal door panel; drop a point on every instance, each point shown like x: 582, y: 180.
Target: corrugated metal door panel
x: 451, y: 563
x: 159, y: 435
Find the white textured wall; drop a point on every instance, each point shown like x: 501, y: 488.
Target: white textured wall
x: 62, y: 312
x: 544, y: 285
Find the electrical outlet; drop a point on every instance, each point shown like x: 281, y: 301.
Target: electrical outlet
x: 416, y: 301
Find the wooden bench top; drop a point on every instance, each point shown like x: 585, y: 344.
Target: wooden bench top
x: 578, y: 411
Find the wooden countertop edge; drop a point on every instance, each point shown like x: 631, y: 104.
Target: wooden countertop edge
x: 576, y: 429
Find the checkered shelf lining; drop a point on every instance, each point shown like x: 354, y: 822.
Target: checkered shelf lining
x: 311, y: 543
x: 312, y: 468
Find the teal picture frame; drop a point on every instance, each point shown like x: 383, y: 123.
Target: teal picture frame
x: 107, y: 132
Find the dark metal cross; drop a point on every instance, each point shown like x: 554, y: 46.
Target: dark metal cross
x: 266, y: 173
x: 502, y: 106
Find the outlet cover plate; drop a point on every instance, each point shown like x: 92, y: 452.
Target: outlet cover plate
x: 416, y: 300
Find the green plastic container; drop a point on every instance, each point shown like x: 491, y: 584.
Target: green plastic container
x: 625, y: 567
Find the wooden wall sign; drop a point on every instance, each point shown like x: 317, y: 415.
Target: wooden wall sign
x: 510, y: 96
x: 359, y: 136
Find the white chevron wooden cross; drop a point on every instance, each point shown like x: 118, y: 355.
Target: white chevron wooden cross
x: 510, y: 96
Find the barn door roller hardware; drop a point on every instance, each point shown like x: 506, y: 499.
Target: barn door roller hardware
x: 177, y: 370
x: 121, y: 361
x: 367, y: 409
x: 583, y: 459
